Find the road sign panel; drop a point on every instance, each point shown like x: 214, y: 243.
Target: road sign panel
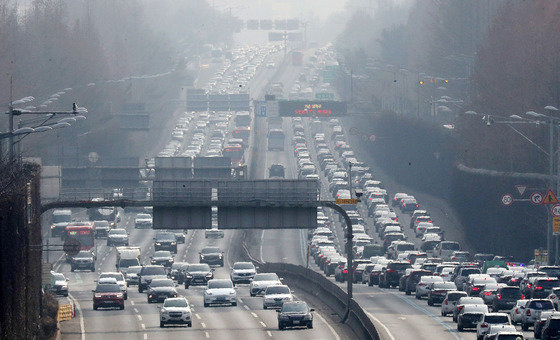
x: 347, y: 201
x: 507, y: 199
x: 556, y: 210
x: 536, y: 198
x: 556, y: 225
x: 521, y: 189
x: 550, y: 198
x: 262, y: 111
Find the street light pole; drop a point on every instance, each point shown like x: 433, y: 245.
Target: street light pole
x: 549, y: 235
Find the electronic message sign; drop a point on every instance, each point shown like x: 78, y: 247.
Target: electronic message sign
x: 311, y: 108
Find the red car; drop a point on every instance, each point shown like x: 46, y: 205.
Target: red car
x: 108, y: 295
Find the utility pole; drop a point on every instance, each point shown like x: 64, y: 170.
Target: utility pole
x: 11, y: 124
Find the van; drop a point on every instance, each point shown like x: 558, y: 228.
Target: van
x: 445, y: 249
x: 127, y: 256
x: 60, y: 219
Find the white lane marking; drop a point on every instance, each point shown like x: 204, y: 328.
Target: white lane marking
x: 229, y: 249
x: 197, y: 316
x: 261, y: 247
x: 239, y: 299
x: 254, y: 314
x: 207, y: 335
x: 145, y: 336
x: 132, y: 303
x: 328, y: 325
x: 136, y: 310
x: 139, y: 317
x: 263, y: 324
x: 246, y: 307
x: 269, y: 334
x: 203, y: 325
x: 382, y: 325
x: 82, y: 326
x: 143, y: 326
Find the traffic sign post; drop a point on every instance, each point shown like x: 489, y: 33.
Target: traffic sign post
x: 507, y: 200
x: 555, y: 210
x: 550, y: 198
x: 536, y: 198
x: 556, y: 226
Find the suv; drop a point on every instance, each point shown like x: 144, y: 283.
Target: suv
x: 147, y: 274
x: 108, y: 295
x: 445, y: 249
x: 450, y: 301
x: 551, y: 328
x: 490, y: 319
x: 470, y: 316
x: 242, y: 272
x: 295, y: 313
x: 390, y: 276
x: 175, y: 311
x: 542, y: 286
x: 276, y: 170
x: 198, y: 273
x: 165, y: 241
x: 462, y: 274
x: 85, y: 259
x: 531, y: 312
x: 117, y: 237
x: 505, y: 298
x: 438, y: 292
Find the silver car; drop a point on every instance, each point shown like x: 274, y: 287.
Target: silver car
x: 275, y: 296
x: 243, y: 272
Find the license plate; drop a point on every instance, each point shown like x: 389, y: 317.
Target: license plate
x: 221, y: 298
x: 296, y: 322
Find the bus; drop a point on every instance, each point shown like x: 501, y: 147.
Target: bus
x: 276, y: 139
x: 235, y: 152
x: 81, y: 231
x: 243, y: 119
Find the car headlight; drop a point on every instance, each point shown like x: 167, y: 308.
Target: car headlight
x: 120, y: 295
x: 150, y: 296
x: 308, y: 317
x: 163, y: 310
x: 173, y: 243
x: 209, y: 275
x: 189, y: 276
x: 201, y: 256
x: 53, y: 226
x: 158, y: 244
x: 98, y: 296
x: 232, y: 292
x: 220, y: 256
x: 174, y: 294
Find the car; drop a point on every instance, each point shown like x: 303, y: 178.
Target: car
x: 424, y: 285
x: 294, y: 314
x: 108, y: 295
x: 180, y: 236
x: 143, y: 221
x: 531, y: 312
x: 214, y: 232
x: 445, y: 249
x: 450, y: 301
x: 242, y: 272
x: 438, y: 292
x: 516, y: 311
x: 220, y: 291
x: 131, y: 275
x: 147, y: 274
x: 84, y: 259
x: 390, y: 276
x: 463, y: 301
x: 542, y: 285
x: 198, y: 274
x: 490, y: 319
x: 177, y: 271
x: 374, y: 274
x: 414, y: 278
x: 503, y: 332
x: 175, y: 311
x: 505, y: 298
x: 59, y: 284
x: 551, y: 329
x: 162, y: 257
x: 554, y: 296
x: 470, y: 316
x: 160, y: 289
x: 212, y: 256
x: 462, y: 273
x: 165, y: 241
x: 119, y: 277
x: 261, y: 281
x: 101, y: 228
x: 117, y: 237
x: 276, y: 171
x: 275, y: 295
x: 539, y: 324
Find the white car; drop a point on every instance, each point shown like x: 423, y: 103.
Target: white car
x: 532, y: 310
x: 503, y: 329
x: 491, y: 319
x: 275, y: 296
x: 175, y: 311
x: 554, y: 296
x: 450, y: 301
x: 261, y: 281
x: 119, y: 277
x: 220, y: 291
x: 423, y: 287
x: 144, y: 221
x: 243, y: 272
x: 516, y: 311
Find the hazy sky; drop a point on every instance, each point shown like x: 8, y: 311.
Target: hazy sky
x: 280, y: 9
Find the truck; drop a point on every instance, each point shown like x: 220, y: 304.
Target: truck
x: 127, y: 256
x: 109, y: 214
x: 60, y: 219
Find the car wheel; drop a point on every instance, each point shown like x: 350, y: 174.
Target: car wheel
x: 252, y: 295
x: 524, y: 327
x: 126, y: 296
x: 265, y: 307
x: 459, y: 327
x: 443, y: 313
x: 370, y: 284
x: 234, y: 304
x: 72, y: 269
x: 189, y: 324
x: 417, y: 297
x: 280, y: 326
x: 206, y: 304
x: 430, y: 303
x: 186, y: 286
x: 310, y: 324
x: 161, y: 324
x: 454, y: 318
x: 92, y: 269
x: 140, y: 290
x: 95, y: 307
x: 121, y: 307
x: 408, y: 292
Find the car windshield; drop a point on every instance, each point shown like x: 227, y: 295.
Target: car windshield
x: 547, y: 284
x: 243, y: 265
x: 108, y: 288
x: 554, y: 323
x: 455, y: 296
x: 496, y: 319
x: 469, y: 271
x: 211, y: 250
x: 153, y: 271
x: 117, y: 232
x: 277, y: 290
x: 62, y: 218
x: 541, y: 304
x: 199, y: 267
x: 512, y: 292
x: 175, y: 303
x: 291, y: 307
x: 128, y: 262
x: 450, y: 246
x: 162, y: 253
x: 59, y: 277
x: 510, y: 337
x: 117, y: 276
x: 143, y: 216
x: 165, y: 237
x: 212, y: 284
x: 471, y: 301
x: 399, y: 266
x: 133, y: 270
x: 162, y: 283
x: 266, y: 277
x: 444, y: 285
x: 83, y: 254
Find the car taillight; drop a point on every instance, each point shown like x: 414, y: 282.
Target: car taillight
x: 528, y: 285
x: 475, y: 288
x: 528, y: 312
x: 522, y: 297
x: 390, y: 271
x: 445, y: 302
x: 459, y: 308
x: 484, y: 325
x: 552, y: 296
x: 487, y: 293
x: 421, y: 284
x: 538, y: 288
x: 499, y: 296
x: 345, y: 271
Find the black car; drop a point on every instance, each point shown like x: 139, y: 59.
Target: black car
x: 85, y: 259
x: 198, y: 274
x: 438, y: 291
x: 149, y: 273
x: 551, y: 329
x: 505, y: 298
x: 294, y: 314
x: 212, y: 256
x: 165, y: 241
x: 117, y: 237
x: 180, y: 236
x: 390, y: 276
x: 161, y: 289
x: 162, y: 257
x: 101, y: 228
x: 469, y: 317
x: 276, y: 170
